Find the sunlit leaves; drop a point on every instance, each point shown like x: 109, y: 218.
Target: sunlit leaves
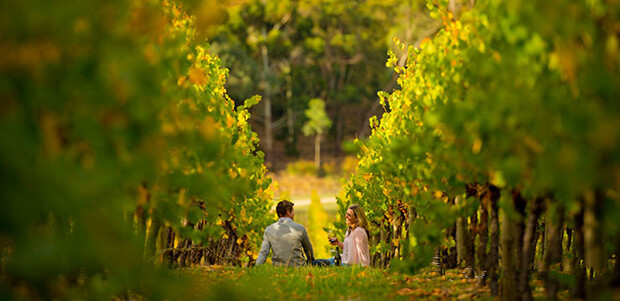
x: 318, y: 121
x: 115, y: 96
x: 500, y: 101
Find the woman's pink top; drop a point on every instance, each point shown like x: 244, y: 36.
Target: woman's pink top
x: 355, y: 247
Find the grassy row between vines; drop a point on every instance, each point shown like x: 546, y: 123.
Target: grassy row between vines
x: 352, y: 283
x: 312, y: 283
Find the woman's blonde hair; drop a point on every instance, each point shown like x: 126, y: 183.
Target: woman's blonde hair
x: 361, y: 217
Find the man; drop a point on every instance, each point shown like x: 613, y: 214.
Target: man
x: 286, y: 239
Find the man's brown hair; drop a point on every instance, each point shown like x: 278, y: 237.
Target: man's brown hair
x: 283, y: 207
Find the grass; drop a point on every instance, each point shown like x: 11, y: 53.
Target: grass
x: 335, y: 283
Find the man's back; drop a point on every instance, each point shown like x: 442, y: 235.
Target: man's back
x: 288, y: 240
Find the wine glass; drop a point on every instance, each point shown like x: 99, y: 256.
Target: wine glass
x: 331, y: 236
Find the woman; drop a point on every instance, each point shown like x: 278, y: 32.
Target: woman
x: 355, y: 248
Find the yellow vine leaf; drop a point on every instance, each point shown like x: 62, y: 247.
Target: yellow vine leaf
x: 208, y: 127
x: 181, y: 200
x: 477, y: 146
x: 386, y: 192
x: 143, y: 195
x: 197, y: 76
x: 230, y: 121
x: 232, y: 173
x: 181, y: 80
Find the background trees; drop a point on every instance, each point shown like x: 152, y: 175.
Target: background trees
x: 293, y: 51
x: 317, y: 124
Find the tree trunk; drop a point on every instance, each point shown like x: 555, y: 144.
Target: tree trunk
x: 529, y: 249
x: 170, y: 236
x: 509, y: 280
x: 290, y: 117
x: 451, y: 256
x: 451, y: 264
x: 461, y: 237
x: 483, y: 239
x: 439, y: 262
x: 554, y: 248
x: 542, y: 241
x: 411, y: 216
x: 594, y: 254
x: 615, y: 279
x: 509, y: 244
x: 578, y: 257
x: 150, y: 245
x: 317, y: 153
x: 520, y: 205
x: 537, y: 237
x: 266, y: 99
x: 388, y: 240
x: 376, y: 257
x: 400, y: 217
x: 569, y: 238
x: 180, y: 254
x: 139, y: 214
x: 494, y: 232
x: 290, y: 124
x: 165, y: 243
x: 197, y: 253
x: 471, y: 244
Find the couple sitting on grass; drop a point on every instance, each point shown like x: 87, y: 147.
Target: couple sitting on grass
x: 287, y: 239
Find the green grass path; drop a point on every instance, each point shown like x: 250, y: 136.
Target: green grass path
x: 336, y: 283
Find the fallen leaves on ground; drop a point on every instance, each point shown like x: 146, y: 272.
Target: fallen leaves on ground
x: 428, y: 285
